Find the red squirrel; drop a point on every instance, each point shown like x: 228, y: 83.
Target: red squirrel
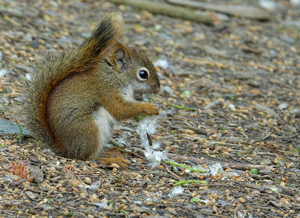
x: 74, y: 99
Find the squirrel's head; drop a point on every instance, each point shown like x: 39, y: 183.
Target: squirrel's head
x: 136, y: 68
x: 144, y: 73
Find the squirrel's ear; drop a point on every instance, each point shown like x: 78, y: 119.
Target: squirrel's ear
x: 121, y: 57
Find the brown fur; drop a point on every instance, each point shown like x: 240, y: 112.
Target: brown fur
x: 66, y: 91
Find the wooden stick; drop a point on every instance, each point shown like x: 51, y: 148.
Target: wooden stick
x: 168, y: 10
x: 247, y: 11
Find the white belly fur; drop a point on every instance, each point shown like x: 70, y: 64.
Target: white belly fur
x: 105, y: 123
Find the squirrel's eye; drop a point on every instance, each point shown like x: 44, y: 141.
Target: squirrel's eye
x: 143, y: 74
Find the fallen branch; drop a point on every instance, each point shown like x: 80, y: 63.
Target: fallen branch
x: 168, y: 10
x: 247, y: 11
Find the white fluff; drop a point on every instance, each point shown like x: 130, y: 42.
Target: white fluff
x: 100, y: 204
x: 177, y: 190
x: 215, y: 168
x: 149, y: 125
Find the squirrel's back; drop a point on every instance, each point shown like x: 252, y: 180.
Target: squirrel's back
x: 53, y: 69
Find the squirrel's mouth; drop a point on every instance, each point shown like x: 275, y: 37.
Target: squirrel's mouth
x: 139, y: 96
x: 143, y: 95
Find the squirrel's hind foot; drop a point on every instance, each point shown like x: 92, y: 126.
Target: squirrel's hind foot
x: 113, y: 155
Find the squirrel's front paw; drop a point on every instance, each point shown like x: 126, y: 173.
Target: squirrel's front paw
x: 150, y: 109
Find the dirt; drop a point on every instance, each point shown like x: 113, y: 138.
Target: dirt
x: 229, y: 105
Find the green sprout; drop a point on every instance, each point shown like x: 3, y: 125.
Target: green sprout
x: 173, y: 163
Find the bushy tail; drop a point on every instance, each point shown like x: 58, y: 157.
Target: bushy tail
x: 52, y: 70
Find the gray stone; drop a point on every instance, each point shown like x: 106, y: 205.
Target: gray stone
x: 7, y: 127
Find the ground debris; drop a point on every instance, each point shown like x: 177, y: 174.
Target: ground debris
x: 234, y: 133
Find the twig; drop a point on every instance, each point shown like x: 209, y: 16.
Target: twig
x: 215, y: 215
x: 168, y: 10
x: 237, y: 140
x: 121, y: 181
x: 131, y: 152
x: 266, y: 136
x: 175, y: 105
x: 244, y: 134
x: 195, y: 129
x: 151, y: 176
x: 247, y: 160
x: 41, y: 154
x: 171, y: 173
x: 115, y: 143
x: 237, y: 166
x: 212, y: 104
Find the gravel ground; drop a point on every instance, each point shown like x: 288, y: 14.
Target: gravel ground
x: 229, y: 106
